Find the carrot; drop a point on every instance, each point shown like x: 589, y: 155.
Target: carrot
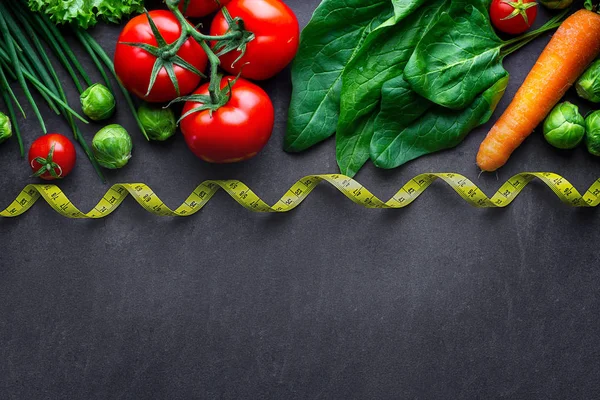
x: 573, y: 47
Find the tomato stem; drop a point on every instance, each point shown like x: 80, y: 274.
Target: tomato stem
x: 47, y: 166
x: 215, y: 81
x: 236, y: 38
x: 519, y: 9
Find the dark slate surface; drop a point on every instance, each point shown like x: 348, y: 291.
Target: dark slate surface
x: 331, y: 301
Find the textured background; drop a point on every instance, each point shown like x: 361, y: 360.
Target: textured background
x: 330, y: 301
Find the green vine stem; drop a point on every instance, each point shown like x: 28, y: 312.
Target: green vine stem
x: 236, y: 38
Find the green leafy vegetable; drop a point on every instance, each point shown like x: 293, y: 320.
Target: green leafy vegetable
x: 334, y: 35
x: 400, y: 106
x: 438, y: 129
x: 403, y: 86
x: 86, y: 13
x: 458, y: 58
x: 461, y: 55
x: 382, y: 57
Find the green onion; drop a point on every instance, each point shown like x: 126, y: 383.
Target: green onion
x: 31, y: 55
x: 8, y: 95
x: 27, y: 66
x: 95, y: 59
x: 13, y: 58
x: 66, y: 49
x: 4, y: 59
x: 4, y: 84
x: 37, y: 22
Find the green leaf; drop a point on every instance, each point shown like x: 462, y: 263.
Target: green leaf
x: 115, y: 11
x: 440, y: 128
x: 400, y: 106
x: 481, y: 5
x: 457, y: 59
x: 85, y: 13
x: 402, y: 8
x: 353, y: 152
x: 382, y: 57
x: 332, y: 38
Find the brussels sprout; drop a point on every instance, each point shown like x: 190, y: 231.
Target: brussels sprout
x: 588, y: 86
x: 592, y: 138
x: 556, y: 4
x: 112, y: 146
x: 158, y: 122
x: 98, y: 102
x: 565, y: 126
x: 5, y: 128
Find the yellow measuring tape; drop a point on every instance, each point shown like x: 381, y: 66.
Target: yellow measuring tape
x: 298, y: 192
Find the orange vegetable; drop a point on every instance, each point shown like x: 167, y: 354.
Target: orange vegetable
x: 573, y: 47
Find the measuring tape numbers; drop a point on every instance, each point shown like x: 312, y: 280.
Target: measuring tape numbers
x: 353, y: 190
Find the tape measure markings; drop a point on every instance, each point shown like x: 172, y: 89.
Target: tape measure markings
x: 299, y: 191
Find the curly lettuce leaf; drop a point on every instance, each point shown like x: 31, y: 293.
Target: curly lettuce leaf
x: 86, y: 13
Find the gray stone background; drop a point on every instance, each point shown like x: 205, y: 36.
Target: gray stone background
x: 439, y: 300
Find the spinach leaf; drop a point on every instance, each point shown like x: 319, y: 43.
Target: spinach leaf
x: 381, y: 58
x: 400, y: 106
x: 440, y: 128
x: 457, y: 59
x: 353, y: 151
x: 460, y: 5
x: 402, y: 8
x: 334, y: 35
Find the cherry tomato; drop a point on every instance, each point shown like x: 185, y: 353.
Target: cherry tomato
x: 52, y: 156
x: 201, y: 8
x: 235, y: 132
x: 277, y: 36
x: 513, y: 16
x: 133, y: 65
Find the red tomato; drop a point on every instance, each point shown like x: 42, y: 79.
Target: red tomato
x: 513, y: 16
x: 134, y: 65
x: 52, y: 156
x: 235, y: 132
x: 201, y: 8
x: 277, y: 34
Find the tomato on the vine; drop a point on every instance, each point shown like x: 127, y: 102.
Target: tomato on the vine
x: 201, y: 8
x: 513, y: 16
x: 236, y: 131
x: 134, y: 65
x: 276, y: 31
x: 52, y: 156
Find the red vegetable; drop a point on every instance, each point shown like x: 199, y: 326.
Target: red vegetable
x: 134, y: 65
x: 513, y: 16
x: 52, y: 156
x: 236, y: 131
x: 277, y: 36
x: 201, y: 8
